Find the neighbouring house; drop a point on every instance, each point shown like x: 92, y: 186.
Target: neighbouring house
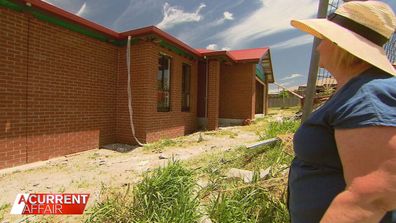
x: 240, y: 85
x: 63, y: 84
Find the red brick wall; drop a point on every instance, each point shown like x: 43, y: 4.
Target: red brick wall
x: 13, y: 88
x: 59, y: 91
x: 237, y: 91
x: 151, y: 125
x: 213, y: 94
x: 140, y: 68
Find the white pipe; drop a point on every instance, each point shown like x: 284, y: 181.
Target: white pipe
x: 130, y: 91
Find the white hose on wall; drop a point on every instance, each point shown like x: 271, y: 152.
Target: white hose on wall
x: 130, y: 90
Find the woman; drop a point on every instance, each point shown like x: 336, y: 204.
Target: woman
x: 345, y: 164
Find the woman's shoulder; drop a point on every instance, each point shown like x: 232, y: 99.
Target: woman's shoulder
x: 369, y: 99
x: 374, y: 81
x: 378, y: 87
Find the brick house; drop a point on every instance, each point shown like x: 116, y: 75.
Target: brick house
x: 64, y: 84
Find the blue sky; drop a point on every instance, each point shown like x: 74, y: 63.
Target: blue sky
x: 217, y: 24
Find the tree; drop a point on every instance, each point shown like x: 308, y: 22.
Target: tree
x: 284, y: 95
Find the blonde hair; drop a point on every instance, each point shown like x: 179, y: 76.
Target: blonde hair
x: 345, y: 59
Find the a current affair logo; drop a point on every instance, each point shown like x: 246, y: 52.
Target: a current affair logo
x: 52, y: 204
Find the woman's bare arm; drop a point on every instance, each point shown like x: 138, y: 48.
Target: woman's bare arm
x: 368, y: 157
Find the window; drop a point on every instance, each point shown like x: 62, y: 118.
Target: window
x: 163, y: 83
x: 186, y: 78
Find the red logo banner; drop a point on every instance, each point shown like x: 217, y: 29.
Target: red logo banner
x: 50, y: 204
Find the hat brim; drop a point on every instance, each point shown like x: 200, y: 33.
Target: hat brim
x: 347, y: 40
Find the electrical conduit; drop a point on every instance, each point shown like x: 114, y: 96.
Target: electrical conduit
x: 130, y: 91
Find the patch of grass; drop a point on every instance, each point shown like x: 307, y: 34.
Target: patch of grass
x: 257, y: 125
x: 274, y: 129
x: 253, y: 203
x: 94, y: 155
x: 5, y: 208
x: 242, y: 158
x: 114, y: 206
x: 164, y: 195
x: 48, y: 219
x: 62, y: 189
x: 222, y: 133
x: 284, y: 111
x: 83, y: 184
x: 160, y: 145
x: 231, y: 200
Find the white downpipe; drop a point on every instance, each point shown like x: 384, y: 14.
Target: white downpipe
x: 130, y: 91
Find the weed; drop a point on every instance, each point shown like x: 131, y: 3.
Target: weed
x: 231, y: 199
x: 83, y: 184
x: 274, y: 129
x: 4, y: 209
x: 62, y: 189
x: 222, y: 133
x: 94, y: 155
x: 160, y: 145
x: 200, y: 139
x: 114, y: 206
x: 164, y: 195
x: 250, y: 203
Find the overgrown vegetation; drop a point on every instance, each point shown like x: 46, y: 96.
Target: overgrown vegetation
x: 276, y: 128
x: 255, y: 202
x: 232, y: 200
x: 164, y: 195
x: 172, y: 193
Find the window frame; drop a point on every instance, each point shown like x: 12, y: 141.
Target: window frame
x: 186, y: 94
x: 162, y: 89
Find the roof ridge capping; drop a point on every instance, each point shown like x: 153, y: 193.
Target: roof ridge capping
x: 235, y: 55
x: 63, y: 14
x: 155, y: 30
x: 47, y: 7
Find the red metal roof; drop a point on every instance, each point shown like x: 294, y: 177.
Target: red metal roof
x: 245, y: 55
x: 119, y: 36
x: 162, y: 34
x: 70, y: 17
x: 205, y: 50
x: 248, y: 54
x: 211, y: 53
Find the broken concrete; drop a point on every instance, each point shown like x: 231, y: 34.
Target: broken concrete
x: 247, y: 175
x: 264, y: 143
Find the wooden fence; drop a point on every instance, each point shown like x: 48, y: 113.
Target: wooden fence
x: 276, y: 100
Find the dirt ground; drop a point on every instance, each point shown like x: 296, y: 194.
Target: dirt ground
x: 90, y: 171
x: 86, y: 172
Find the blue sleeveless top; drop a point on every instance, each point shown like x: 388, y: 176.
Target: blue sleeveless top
x: 316, y: 174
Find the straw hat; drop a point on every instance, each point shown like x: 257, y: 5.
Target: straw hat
x: 359, y: 27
